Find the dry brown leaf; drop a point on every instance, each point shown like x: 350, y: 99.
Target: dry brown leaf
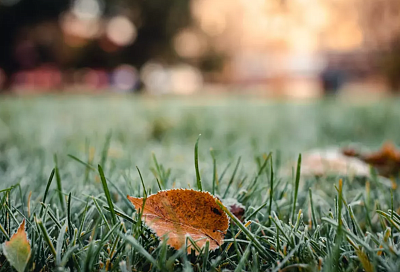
x: 235, y: 207
x: 178, y: 213
x: 350, y: 152
x: 386, y: 160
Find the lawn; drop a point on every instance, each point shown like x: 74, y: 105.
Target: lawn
x: 312, y: 225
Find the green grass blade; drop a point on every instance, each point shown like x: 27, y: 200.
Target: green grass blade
x: 4, y: 232
x: 256, y: 211
x: 340, y: 203
x: 121, y: 214
x: 224, y: 171
x: 60, y: 241
x: 260, y: 170
x: 243, y: 261
x: 59, y: 186
x: 215, y: 175
x: 296, y: 190
x: 108, y: 195
x: 313, y: 217
x: 104, y: 153
x: 159, y: 173
x: 83, y: 220
x: 196, y: 164
x: 356, y: 226
x: 159, y: 184
x: 47, y: 190
x: 389, y: 218
x: 141, y: 179
x: 271, y: 193
x: 70, y: 228
x: 280, y: 264
x: 136, y: 245
x: 101, y: 213
x: 46, y: 237
x: 82, y: 162
x: 250, y: 236
x: 205, y: 256
x: 68, y: 255
x: 232, y: 177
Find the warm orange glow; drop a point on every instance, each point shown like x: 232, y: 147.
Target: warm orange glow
x: 189, y: 44
x: 78, y: 27
x: 295, y: 26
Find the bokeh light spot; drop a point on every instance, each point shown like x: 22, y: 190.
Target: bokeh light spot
x: 121, y: 31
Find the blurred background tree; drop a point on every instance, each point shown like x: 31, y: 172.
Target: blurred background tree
x: 88, y: 33
x: 380, y: 21
x: 17, y: 18
x: 282, y: 46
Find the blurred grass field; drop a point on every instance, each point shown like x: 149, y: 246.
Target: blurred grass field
x: 32, y: 130
x: 158, y: 135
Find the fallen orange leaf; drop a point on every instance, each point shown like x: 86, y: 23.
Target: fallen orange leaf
x: 178, y: 213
